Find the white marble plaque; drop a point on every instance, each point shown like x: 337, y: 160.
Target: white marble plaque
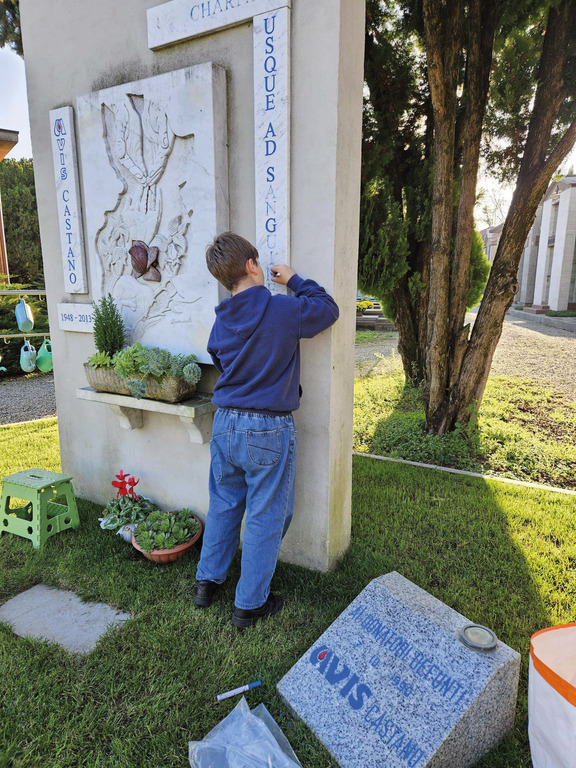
x: 181, y: 20
x: 68, y: 196
x: 272, y: 139
x: 76, y: 317
x: 154, y: 167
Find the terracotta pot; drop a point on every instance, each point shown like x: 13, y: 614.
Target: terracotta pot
x: 165, y: 556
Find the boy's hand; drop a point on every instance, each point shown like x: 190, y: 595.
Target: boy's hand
x: 281, y: 273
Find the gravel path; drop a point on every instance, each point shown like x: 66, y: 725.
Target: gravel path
x: 27, y: 398
x: 526, y: 349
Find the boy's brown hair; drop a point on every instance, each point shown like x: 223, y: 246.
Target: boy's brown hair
x: 226, y: 258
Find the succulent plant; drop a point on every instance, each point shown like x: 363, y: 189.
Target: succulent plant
x: 166, y: 530
x: 137, y: 363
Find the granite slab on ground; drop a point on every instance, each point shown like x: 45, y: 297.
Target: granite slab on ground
x: 390, y: 684
x: 61, y: 617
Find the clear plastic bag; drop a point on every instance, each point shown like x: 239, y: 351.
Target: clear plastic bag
x: 244, y: 739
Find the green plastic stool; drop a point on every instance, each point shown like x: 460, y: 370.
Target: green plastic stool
x: 42, y: 517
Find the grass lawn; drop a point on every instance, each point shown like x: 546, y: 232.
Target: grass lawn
x: 501, y: 555
x: 525, y: 431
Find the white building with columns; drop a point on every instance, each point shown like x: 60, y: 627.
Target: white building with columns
x: 547, y: 271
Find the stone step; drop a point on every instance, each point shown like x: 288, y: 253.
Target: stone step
x: 366, y: 323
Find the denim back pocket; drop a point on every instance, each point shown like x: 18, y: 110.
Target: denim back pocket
x: 264, y: 448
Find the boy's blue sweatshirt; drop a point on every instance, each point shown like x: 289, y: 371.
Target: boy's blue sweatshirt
x: 254, y: 343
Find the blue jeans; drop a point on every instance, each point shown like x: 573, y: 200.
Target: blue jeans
x: 252, y: 470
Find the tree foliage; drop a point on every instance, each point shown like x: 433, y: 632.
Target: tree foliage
x: 446, y: 81
x: 21, y: 228
x: 10, y: 34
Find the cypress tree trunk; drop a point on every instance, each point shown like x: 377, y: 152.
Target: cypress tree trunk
x: 465, y: 393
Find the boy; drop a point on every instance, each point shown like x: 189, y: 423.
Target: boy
x: 254, y: 343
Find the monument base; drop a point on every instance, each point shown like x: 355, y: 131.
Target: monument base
x: 390, y: 683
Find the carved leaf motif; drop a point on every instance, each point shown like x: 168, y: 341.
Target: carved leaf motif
x: 153, y: 275
x: 140, y: 257
x: 152, y: 255
x: 174, y: 225
x: 180, y: 242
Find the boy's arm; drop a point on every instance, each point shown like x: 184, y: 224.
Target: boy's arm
x: 213, y: 354
x: 318, y: 310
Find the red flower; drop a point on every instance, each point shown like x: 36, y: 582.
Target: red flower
x: 125, y: 484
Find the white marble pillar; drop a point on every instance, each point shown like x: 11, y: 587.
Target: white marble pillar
x: 527, y: 271
x: 563, y: 258
x: 541, y: 280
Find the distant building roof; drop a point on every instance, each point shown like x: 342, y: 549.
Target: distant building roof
x: 8, y: 140
x: 492, y: 230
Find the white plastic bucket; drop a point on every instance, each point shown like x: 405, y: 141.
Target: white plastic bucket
x: 552, y: 697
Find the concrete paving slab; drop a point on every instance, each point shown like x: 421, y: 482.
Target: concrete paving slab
x: 61, y: 617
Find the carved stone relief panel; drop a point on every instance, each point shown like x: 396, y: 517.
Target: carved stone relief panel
x: 155, y: 177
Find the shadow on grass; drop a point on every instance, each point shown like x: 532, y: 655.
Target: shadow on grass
x: 151, y: 686
x: 452, y: 536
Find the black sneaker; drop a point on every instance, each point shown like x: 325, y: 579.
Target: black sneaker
x: 204, y: 593
x: 243, y: 619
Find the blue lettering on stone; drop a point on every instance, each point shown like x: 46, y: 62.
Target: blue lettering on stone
x: 362, y: 691
x: 270, y: 83
x: 270, y: 173
x: 270, y: 64
x: 271, y: 225
x: 266, y: 20
x: 269, y: 102
x: 270, y: 147
x: 72, y: 277
x: 59, y: 127
x: 333, y: 675
x: 357, y: 612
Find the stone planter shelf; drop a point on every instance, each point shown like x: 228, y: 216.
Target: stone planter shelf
x: 195, y: 414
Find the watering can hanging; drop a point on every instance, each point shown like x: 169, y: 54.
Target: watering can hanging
x: 24, y: 316
x: 27, y: 357
x: 44, y: 357
x: 2, y: 369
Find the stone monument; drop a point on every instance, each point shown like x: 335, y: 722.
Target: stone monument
x: 156, y: 125
x: 391, y: 683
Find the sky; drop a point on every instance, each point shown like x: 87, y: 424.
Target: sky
x: 14, y: 103
x: 14, y: 117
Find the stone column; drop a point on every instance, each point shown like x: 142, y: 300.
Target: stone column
x: 527, y: 271
x: 540, y: 304
x: 563, y: 258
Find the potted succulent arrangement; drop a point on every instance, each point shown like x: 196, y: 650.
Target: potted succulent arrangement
x: 123, y: 513
x: 136, y: 370
x: 163, y: 537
